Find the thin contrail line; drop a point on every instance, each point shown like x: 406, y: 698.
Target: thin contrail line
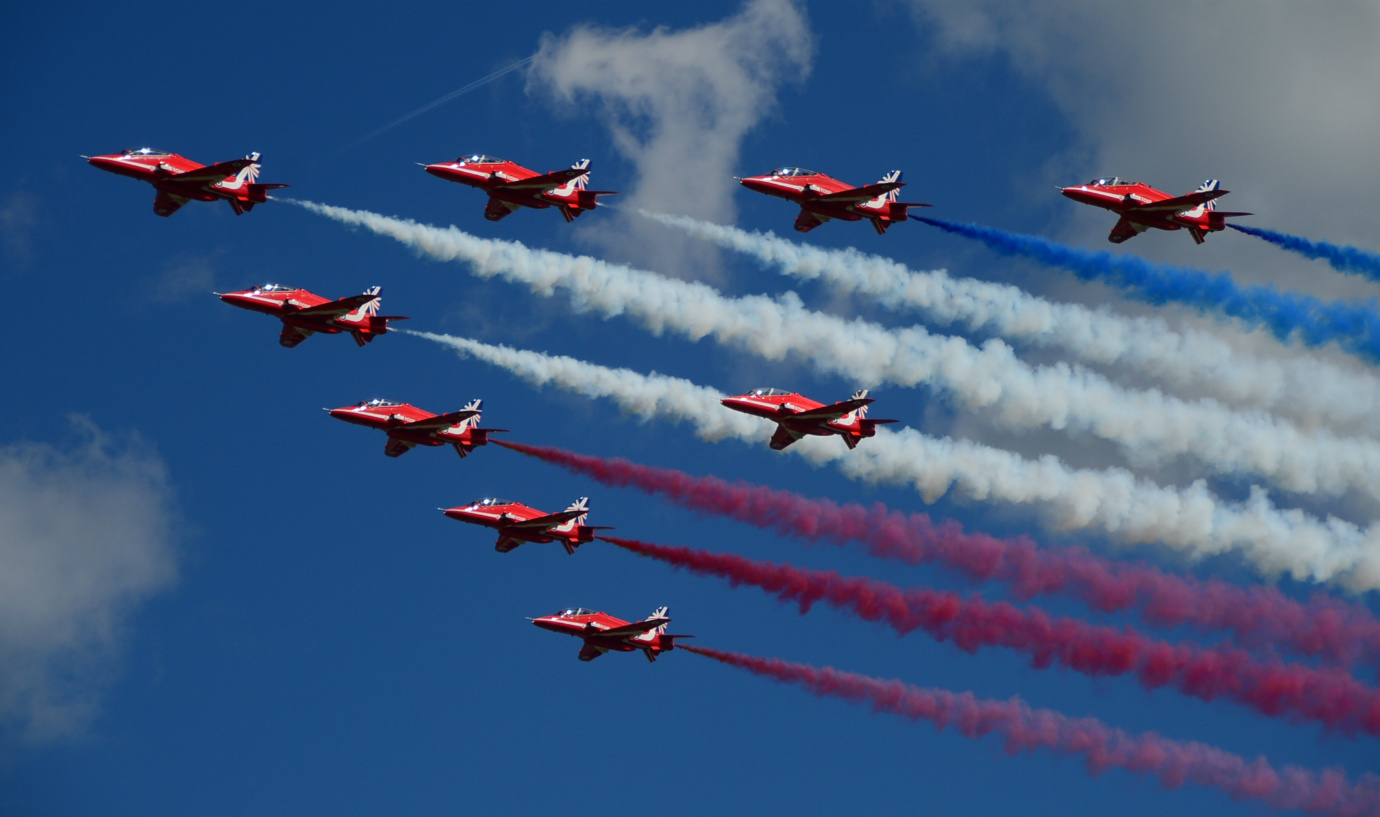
x: 479, y: 83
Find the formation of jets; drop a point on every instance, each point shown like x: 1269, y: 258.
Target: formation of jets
x: 510, y: 186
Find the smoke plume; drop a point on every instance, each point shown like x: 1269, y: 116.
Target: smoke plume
x: 1327, y: 696
x: 1307, y: 389
x: 1149, y: 425
x: 1024, y: 729
x: 1255, y: 616
x: 1113, y: 501
x: 1289, y: 317
x: 1342, y: 258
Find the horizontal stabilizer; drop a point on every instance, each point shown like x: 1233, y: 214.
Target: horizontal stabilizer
x: 1230, y: 214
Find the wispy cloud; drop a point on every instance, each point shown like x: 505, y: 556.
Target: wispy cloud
x: 85, y: 535
x: 186, y: 275
x: 678, y: 104
x: 18, y: 222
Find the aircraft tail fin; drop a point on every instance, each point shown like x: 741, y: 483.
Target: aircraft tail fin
x: 660, y: 612
x: 581, y: 181
x: 893, y: 177
x: 476, y: 406
x: 581, y: 505
x: 1207, y: 187
x: 365, y: 311
x: 860, y: 411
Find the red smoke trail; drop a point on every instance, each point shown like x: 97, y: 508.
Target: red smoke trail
x: 1329, y: 696
x: 1256, y: 616
x: 1026, y: 729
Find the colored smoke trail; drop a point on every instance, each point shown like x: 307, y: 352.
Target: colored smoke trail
x: 1024, y: 729
x: 1341, y: 258
x: 1114, y: 501
x: 1306, y: 388
x: 1150, y: 426
x: 1327, y: 696
x: 1255, y: 616
x: 1287, y: 315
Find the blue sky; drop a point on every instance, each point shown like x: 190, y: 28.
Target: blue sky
x: 226, y: 602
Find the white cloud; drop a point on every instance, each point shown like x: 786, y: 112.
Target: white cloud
x: 85, y: 535
x: 1276, y: 99
x: 185, y: 276
x: 678, y: 104
x: 18, y: 222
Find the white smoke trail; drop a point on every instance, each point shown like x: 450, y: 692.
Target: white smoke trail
x: 1113, y: 501
x: 1307, y: 389
x: 1149, y: 425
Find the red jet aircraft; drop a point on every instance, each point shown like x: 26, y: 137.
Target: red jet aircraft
x: 1142, y: 207
x: 796, y: 416
x: 516, y: 523
x: 304, y: 313
x: 409, y: 426
x: 179, y: 180
x: 602, y: 632
x: 511, y: 186
x: 822, y: 198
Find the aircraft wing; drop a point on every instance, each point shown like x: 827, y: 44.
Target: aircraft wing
x: 782, y: 438
x: 833, y: 412
x: 441, y: 421
x: 216, y: 172
x: 589, y: 652
x: 292, y: 335
x: 867, y: 192
x: 547, y: 181
x: 506, y: 543
x: 1180, y: 203
x: 635, y: 628
x: 165, y: 204
x: 396, y: 448
x: 335, y: 309
x: 1125, y: 229
x: 807, y: 221
x: 546, y: 522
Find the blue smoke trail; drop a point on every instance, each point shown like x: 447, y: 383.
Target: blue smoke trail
x: 1356, y: 327
x: 1342, y: 259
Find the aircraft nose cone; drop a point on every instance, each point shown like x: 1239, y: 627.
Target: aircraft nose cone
x: 441, y: 170
x: 104, y: 162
